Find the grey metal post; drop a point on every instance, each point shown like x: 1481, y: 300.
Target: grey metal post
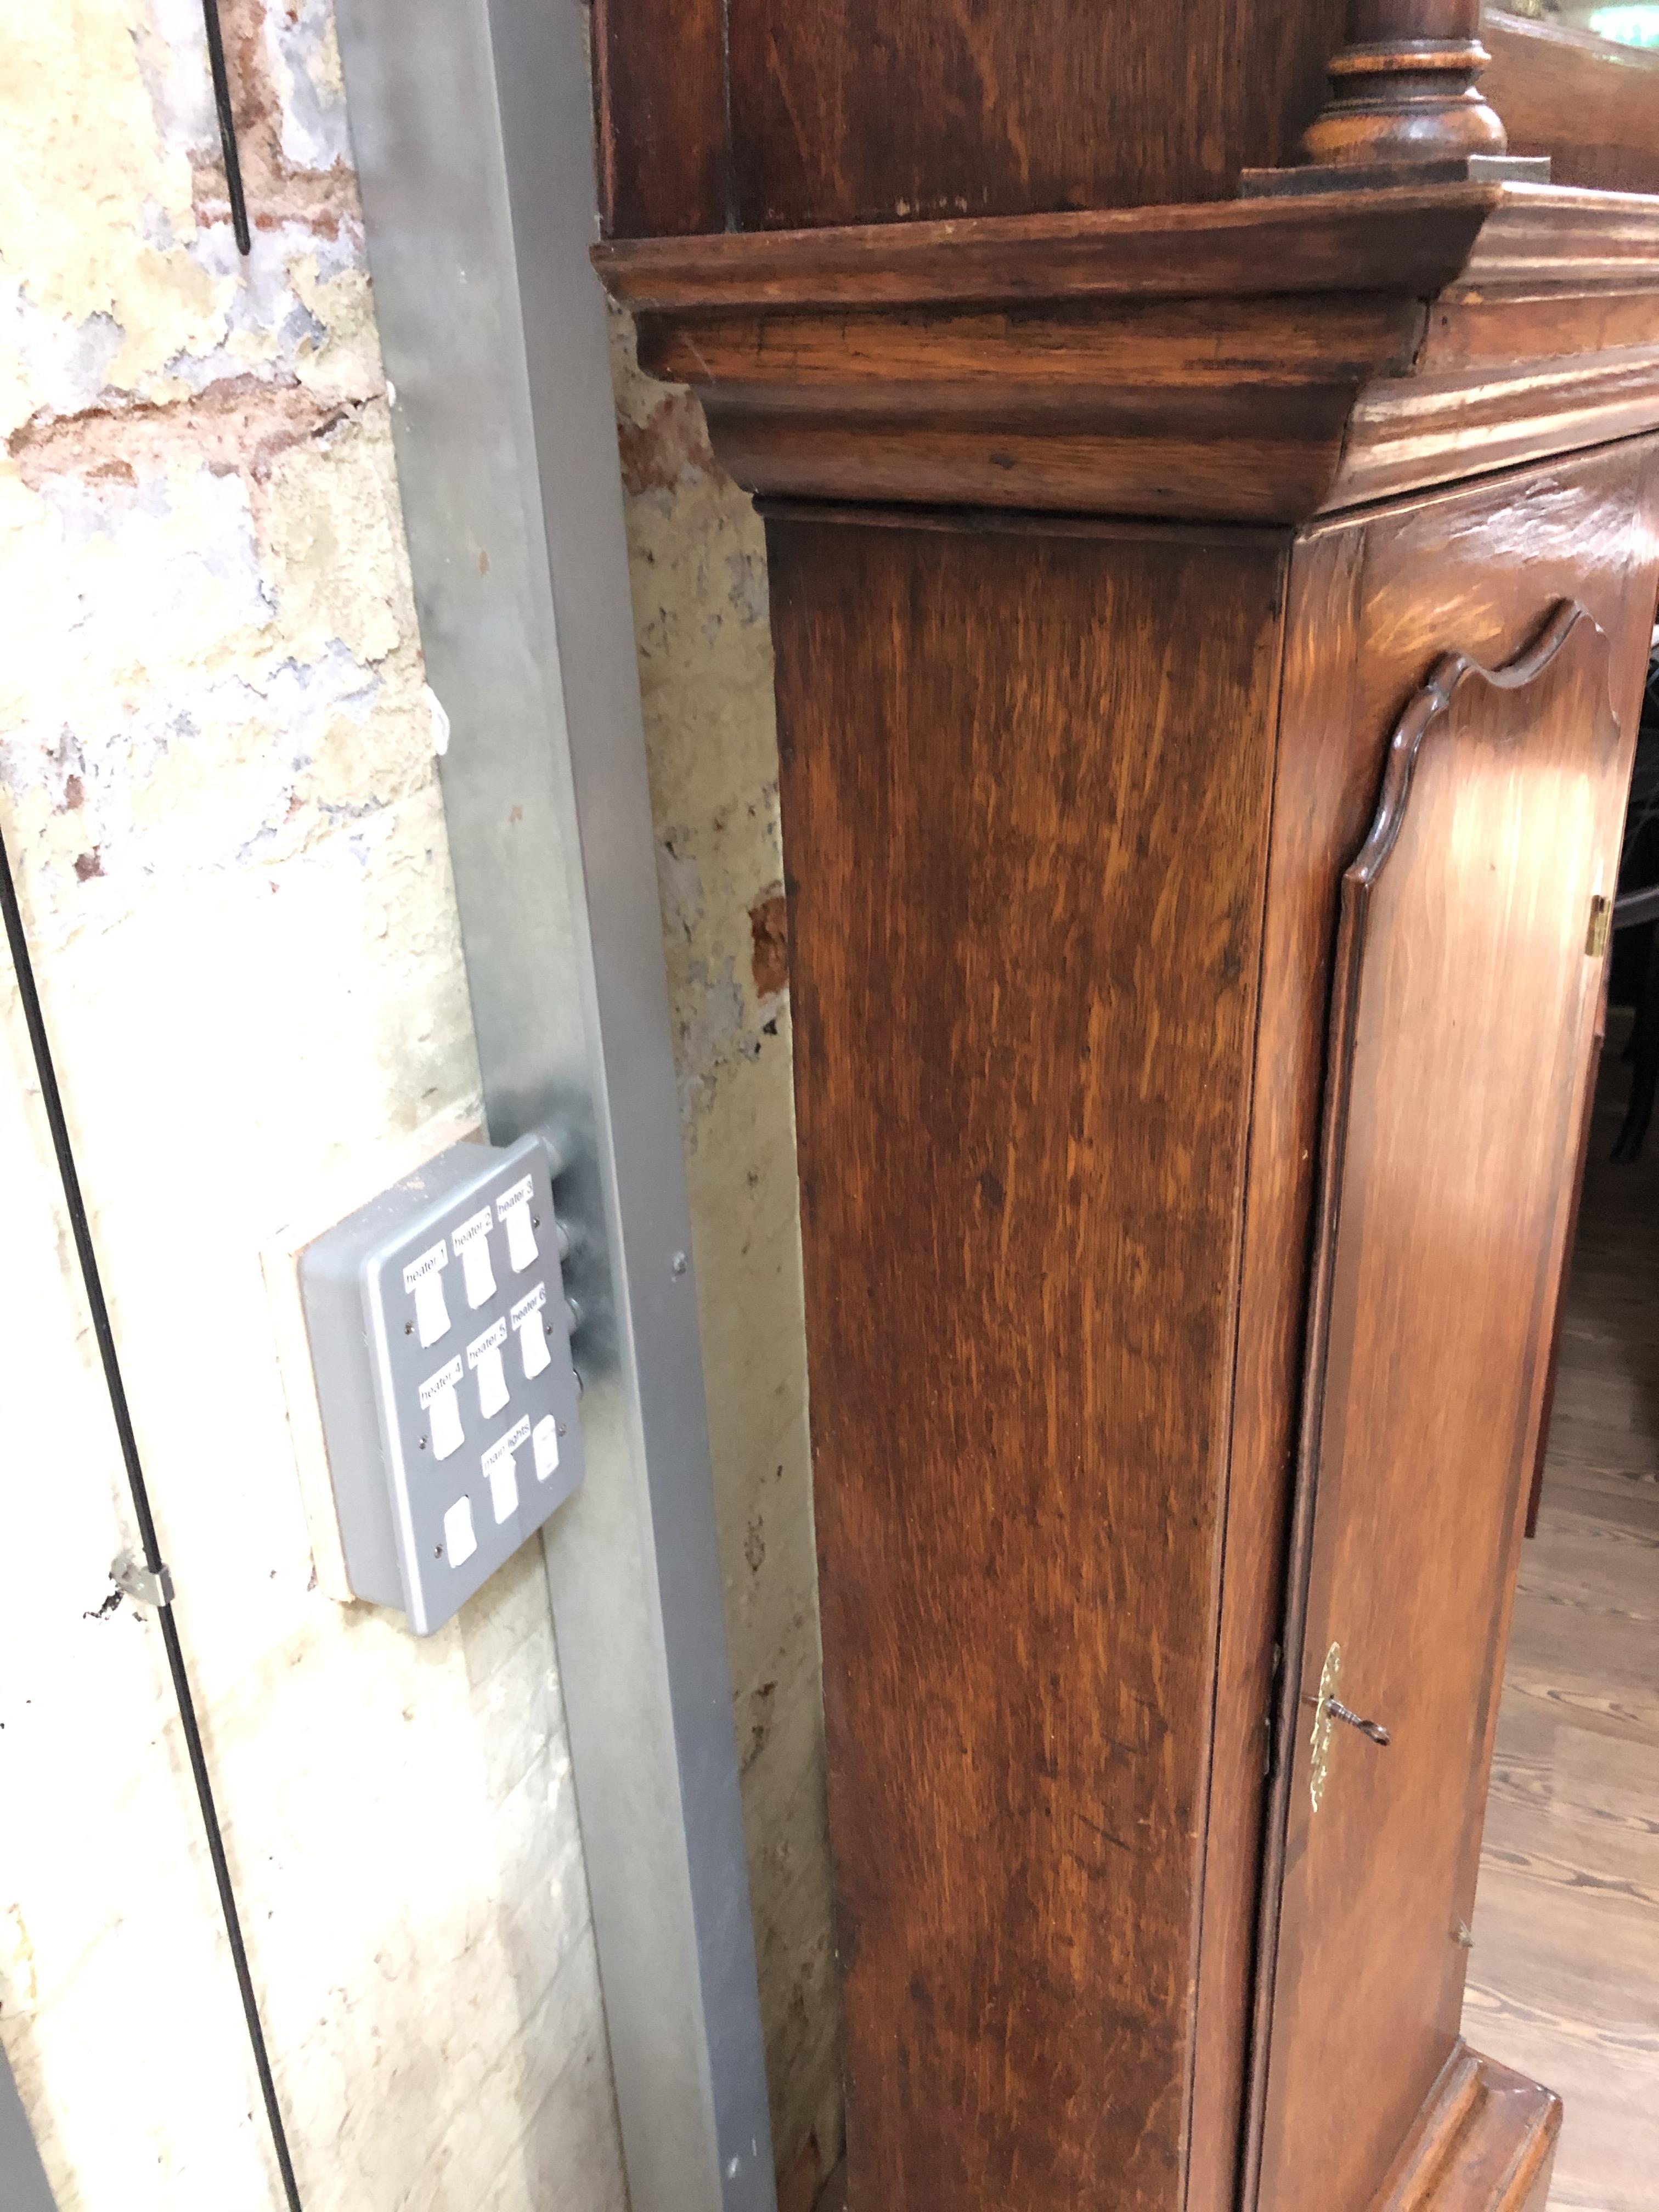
x: 471, y: 124
x: 23, y: 2184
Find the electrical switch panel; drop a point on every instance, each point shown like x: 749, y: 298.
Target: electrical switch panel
x: 440, y: 1344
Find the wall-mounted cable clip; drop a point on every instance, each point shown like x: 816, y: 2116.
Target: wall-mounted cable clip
x: 151, y: 1586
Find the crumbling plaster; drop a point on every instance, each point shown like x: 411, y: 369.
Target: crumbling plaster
x: 698, y: 562
x: 216, y: 780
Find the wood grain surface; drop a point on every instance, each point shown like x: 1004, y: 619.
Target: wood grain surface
x: 1414, y: 241
x: 1361, y: 632
x: 1563, y: 1978
x: 936, y: 685
x: 856, y: 112
x: 1025, y: 785
x: 1257, y: 362
x: 1557, y: 1321
x: 1176, y: 408
x: 852, y: 112
x: 1485, y: 2141
x: 662, y: 128
x: 1461, y: 1005
x: 1591, y: 106
x: 1404, y: 89
x: 752, y: 115
x: 1324, y: 787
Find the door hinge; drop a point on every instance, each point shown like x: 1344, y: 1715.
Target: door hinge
x: 1271, y: 1721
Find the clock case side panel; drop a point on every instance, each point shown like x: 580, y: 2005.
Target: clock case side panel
x: 1025, y: 774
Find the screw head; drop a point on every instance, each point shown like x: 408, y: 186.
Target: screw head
x: 678, y: 1264
x: 437, y: 1550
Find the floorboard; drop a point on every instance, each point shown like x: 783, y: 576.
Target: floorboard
x: 1564, y: 1981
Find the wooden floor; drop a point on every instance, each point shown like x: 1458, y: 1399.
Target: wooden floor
x: 1564, y: 1979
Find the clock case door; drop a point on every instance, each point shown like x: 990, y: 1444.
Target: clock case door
x: 1465, y: 986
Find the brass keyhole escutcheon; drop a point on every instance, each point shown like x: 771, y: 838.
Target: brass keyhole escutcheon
x: 1600, y: 929
x: 1328, y: 1710
x: 1323, y: 1723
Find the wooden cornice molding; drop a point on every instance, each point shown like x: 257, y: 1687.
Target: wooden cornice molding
x: 1414, y: 240
x: 1255, y: 360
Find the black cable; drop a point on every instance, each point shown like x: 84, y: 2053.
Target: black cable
x: 24, y: 968
x: 215, y: 43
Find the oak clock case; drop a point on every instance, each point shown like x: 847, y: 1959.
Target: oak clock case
x: 1211, y: 599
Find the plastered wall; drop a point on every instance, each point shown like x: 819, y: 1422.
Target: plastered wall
x: 698, y: 562
x: 217, y: 778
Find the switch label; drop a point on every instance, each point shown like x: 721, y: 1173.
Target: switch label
x: 423, y: 1277
x: 492, y: 1340
x: 533, y: 1334
x: 471, y: 1241
x: 440, y: 1403
x: 513, y: 1208
x: 492, y: 1392
x: 503, y: 1488
x: 516, y: 1193
x: 435, y: 1257
x: 484, y: 1355
x: 500, y: 1467
x: 446, y: 1379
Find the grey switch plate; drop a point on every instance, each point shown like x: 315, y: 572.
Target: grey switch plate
x: 440, y: 1343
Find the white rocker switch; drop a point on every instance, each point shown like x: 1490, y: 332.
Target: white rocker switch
x: 501, y: 1468
x: 431, y: 1457
x: 460, y: 1539
x: 483, y: 1357
x: 513, y: 1208
x: 546, y: 1447
x: 439, y: 1403
x: 424, y: 1279
x: 529, y: 1319
x: 471, y: 1241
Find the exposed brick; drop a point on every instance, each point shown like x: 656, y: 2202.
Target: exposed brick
x: 672, y: 443
x: 768, y: 926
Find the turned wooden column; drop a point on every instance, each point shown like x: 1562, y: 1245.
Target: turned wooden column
x: 1404, y: 88
x: 1404, y: 106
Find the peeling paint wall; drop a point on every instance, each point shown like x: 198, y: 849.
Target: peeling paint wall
x: 215, y: 778
x: 698, y: 561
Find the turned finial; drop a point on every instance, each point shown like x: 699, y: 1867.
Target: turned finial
x: 1403, y: 90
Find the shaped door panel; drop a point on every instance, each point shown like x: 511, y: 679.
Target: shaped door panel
x: 1466, y: 981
